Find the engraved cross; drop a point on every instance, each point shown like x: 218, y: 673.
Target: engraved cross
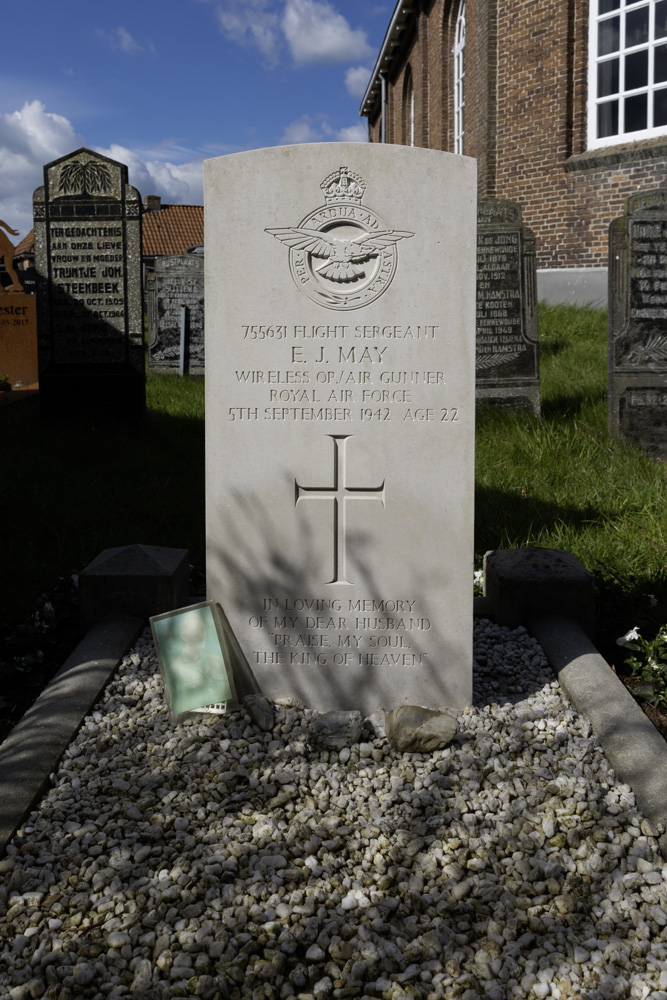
x: 340, y: 493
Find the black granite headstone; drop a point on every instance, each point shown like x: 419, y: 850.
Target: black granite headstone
x: 89, y: 295
x: 508, y: 373
x: 176, y: 284
x: 637, y: 345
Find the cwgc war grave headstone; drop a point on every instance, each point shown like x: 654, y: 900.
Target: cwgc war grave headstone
x: 177, y: 284
x: 18, y: 322
x: 637, y: 344
x: 340, y: 344
x: 89, y: 297
x: 508, y: 373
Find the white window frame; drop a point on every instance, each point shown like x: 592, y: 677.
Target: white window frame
x: 459, y: 77
x: 408, y: 130
x: 594, y: 60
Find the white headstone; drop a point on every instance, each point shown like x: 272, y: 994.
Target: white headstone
x: 340, y: 402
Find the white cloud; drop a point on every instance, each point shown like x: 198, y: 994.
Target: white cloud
x: 356, y: 80
x: 29, y: 138
x: 316, y: 32
x: 315, y: 128
x: 251, y: 22
x: 33, y: 136
x: 120, y: 38
x: 182, y: 183
x: 304, y: 129
x: 353, y: 133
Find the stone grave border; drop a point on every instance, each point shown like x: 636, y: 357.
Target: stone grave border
x: 634, y: 748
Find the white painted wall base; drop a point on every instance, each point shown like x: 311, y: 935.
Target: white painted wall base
x: 573, y: 285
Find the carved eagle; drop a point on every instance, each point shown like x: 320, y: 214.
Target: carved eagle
x: 342, y: 257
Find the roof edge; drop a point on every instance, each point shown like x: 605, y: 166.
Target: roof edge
x: 402, y: 10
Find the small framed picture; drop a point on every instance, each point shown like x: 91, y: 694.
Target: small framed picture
x: 194, y: 659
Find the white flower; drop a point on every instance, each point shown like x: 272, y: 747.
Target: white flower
x: 628, y: 637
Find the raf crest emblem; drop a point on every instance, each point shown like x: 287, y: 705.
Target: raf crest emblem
x: 342, y: 255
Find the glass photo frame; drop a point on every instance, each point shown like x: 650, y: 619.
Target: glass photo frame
x: 195, y: 661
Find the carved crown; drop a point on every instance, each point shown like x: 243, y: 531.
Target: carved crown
x: 343, y: 185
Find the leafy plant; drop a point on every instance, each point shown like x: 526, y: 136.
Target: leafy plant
x: 649, y: 662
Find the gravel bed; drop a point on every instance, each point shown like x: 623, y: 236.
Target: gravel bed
x: 215, y: 860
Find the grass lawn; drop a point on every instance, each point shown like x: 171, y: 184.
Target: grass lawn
x: 563, y: 482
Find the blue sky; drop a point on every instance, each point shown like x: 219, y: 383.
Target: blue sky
x: 162, y: 86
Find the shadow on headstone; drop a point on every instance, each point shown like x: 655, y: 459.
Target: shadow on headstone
x: 138, y: 580
x: 340, y: 315
x: 89, y: 297
x: 526, y: 583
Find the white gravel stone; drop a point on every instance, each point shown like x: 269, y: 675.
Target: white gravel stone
x: 220, y: 858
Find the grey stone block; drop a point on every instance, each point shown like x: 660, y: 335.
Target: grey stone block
x: 413, y: 729
x: 139, y: 580
x: 521, y: 584
x: 337, y: 729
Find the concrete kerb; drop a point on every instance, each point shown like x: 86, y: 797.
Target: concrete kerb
x: 33, y: 749
x: 634, y: 747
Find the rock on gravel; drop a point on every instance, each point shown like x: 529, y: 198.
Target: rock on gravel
x: 411, y: 728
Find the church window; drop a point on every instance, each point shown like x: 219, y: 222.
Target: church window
x: 459, y: 77
x: 408, y: 110
x: 627, y: 82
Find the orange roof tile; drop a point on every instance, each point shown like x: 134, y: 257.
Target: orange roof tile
x: 171, y: 229
x: 27, y: 244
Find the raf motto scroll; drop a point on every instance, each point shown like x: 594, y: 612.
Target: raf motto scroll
x: 340, y: 400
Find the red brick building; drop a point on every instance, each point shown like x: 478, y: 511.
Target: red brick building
x: 562, y: 102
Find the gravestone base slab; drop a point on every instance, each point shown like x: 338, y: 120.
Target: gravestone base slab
x: 521, y: 584
x: 512, y: 397
x: 138, y: 580
x: 117, y: 395
x: 641, y: 413
x: 89, y: 297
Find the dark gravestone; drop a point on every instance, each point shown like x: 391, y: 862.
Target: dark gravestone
x: 89, y: 298
x: 176, y: 284
x: 508, y: 373
x: 637, y: 346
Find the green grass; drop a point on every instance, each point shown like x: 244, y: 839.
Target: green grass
x: 563, y: 482
x: 67, y: 492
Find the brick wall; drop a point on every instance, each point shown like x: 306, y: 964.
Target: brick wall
x: 525, y: 118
